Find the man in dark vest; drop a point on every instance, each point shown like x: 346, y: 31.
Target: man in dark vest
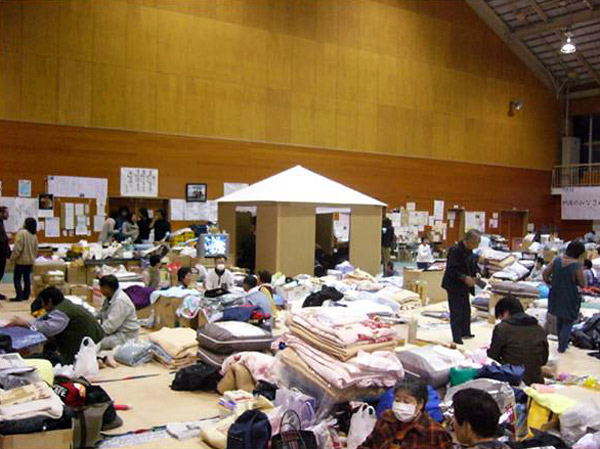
x: 66, y: 323
x: 459, y: 280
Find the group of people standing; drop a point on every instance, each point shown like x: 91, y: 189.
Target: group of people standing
x: 122, y: 225
x: 565, y: 276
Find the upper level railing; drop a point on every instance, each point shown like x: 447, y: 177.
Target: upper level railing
x: 583, y: 175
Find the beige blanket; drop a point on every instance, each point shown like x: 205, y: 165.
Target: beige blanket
x: 176, y: 342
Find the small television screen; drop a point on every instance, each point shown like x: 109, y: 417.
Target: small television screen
x: 213, y: 245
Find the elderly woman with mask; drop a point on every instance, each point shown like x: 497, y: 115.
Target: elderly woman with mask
x: 407, y: 425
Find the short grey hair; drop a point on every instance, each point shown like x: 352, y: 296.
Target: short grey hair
x: 472, y: 235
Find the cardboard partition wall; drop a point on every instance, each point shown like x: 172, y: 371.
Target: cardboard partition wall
x: 365, y: 238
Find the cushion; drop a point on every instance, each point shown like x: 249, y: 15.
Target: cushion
x: 233, y: 336
x: 211, y: 358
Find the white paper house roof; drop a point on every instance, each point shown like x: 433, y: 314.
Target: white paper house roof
x: 299, y: 185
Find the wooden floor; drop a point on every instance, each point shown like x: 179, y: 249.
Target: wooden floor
x: 154, y: 403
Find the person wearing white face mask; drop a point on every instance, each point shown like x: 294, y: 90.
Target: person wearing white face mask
x: 407, y: 425
x: 220, y: 276
x: 476, y: 417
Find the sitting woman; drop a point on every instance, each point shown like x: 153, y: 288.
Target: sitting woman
x: 185, y: 278
x: 407, y: 424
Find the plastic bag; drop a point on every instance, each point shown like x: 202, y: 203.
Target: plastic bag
x: 362, y: 424
x: 86, y: 364
x: 578, y: 419
x: 133, y: 353
x: 589, y: 441
x: 64, y: 371
x: 302, y: 404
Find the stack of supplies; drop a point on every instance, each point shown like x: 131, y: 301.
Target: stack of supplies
x: 217, y: 341
x: 496, y: 260
x: 514, y: 272
x: 338, y: 353
x: 521, y: 289
x: 30, y: 401
x: 175, y: 348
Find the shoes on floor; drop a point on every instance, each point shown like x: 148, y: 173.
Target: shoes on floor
x: 468, y: 337
x: 16, y: 299
x: 458, y: 342
x: 2, y: 297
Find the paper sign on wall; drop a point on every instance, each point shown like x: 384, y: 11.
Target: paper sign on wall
x: 177, y: 209
x: 78, y: 187
x: 231, y: 187
x: 581, y: 204
x: 69, y: 215
x: 52, y: 229
x: 411, y: 206
x: 24, y: 188
x: 438, y: 209
x: 139, y: 182
x: 475, y: 220
x: 98, y: 222
x: 451, y: 215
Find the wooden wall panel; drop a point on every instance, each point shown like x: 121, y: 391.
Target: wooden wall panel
x: 25, y: 151
x: 329, y: 73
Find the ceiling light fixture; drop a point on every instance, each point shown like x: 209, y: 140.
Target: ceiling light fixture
x: 568, y: 46
x: 513, y: 106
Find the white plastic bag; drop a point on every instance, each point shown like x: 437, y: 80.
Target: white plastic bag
x: 575, y: 422
x: 86, y: 364
x: 589, y: 441
x: 300, y: 403
x: 362, y: 424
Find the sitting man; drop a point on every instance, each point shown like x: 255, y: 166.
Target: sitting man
x: 66, y: 323
x: 476, y: 417
x: 117, y: 316
x: 519, y: 340
x: 265, y: 287
x: 220, y: 276
x: 151, y: 275
x: 257, y: 298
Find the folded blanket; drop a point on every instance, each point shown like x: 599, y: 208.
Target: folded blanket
x: 175, y: 341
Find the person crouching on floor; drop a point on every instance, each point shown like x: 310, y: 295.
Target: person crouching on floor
x: 407, y: 425
x: 519, y: 340
x: 117, y: 316
x: 67, y: 324
x: 257, y: 298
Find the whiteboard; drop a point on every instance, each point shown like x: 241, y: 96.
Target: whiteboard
x: 18, y: 210
x: 139, y: 182
x: 78, y: 187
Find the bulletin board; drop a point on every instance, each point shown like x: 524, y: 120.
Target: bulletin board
x: 61, y: 206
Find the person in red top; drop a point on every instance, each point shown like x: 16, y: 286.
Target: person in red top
x: 407, y: 425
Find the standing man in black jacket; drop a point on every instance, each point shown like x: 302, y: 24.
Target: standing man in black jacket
x: 459, y: 280
x: 4, y: 243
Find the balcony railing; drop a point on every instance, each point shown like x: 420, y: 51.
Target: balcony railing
x: 583, y: 175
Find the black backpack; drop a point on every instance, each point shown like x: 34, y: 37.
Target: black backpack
x: 539, y: 441
x: 252, y: 430
x: 588, y: 337
x: 196, y: 377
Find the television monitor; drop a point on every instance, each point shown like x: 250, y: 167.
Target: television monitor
x: 213, y: 245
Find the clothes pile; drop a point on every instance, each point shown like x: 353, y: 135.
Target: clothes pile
x: 338, y: 353
x: 175, y: 348
x: 212, y: 308
x: 521, y: 289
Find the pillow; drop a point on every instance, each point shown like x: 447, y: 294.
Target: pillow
x: 233, y: 336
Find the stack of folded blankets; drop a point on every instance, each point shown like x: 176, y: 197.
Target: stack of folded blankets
x: 22, y: 407
x: 496, y: 261
x: 340, y: 353
x: 521, y: 289
x: 175, y: 348
x: 514, y: 272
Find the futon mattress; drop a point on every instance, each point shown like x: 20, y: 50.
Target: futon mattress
x: 233, y: 336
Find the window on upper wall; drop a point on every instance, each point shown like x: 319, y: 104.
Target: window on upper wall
x: 582, y: 124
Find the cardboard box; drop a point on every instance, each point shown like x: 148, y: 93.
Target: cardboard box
x: 549, y: 254
x: 183, y: 261
x: 525, y: 302
x: 76, y: 274
x: 40, y: 269
x: 82, y: 291
x: 55, y: 439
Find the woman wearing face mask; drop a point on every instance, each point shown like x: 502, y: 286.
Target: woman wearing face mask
x: 407, y: 425
x: 220, y: 276
x: 476, y: 416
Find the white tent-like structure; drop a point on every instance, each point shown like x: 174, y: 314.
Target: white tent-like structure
x: 286, y: 208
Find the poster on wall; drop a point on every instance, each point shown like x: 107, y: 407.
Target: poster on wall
x: 232, y: 187
x: 581, y: 204
x: 438, y: 209
x: 78, y: 187
x: 475, y: 220
x: 139, y: 182
x: 24, y: 188
x: 52, y: 229
x: 45, y: 205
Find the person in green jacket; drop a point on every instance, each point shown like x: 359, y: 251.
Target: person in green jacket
x: 64, y: 322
